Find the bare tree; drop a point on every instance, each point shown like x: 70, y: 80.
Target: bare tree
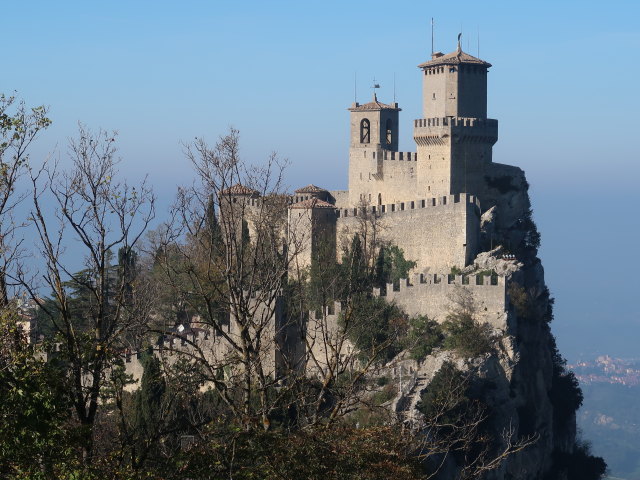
x: 453, y: 435
x: 94, y: 215
x: 19, y: 126
x: 226, y: 254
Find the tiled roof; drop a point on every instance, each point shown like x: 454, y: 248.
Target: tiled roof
x: 239, y: 189
x: 312, y: 203
x: 374, y: 105
x: 310, y: 189
x: 454, y: 58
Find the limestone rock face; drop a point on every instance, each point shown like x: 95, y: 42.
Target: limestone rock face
x: 521, y: 370
x: 488, y: 228
x: 505, y: 265
x: 506, y: 189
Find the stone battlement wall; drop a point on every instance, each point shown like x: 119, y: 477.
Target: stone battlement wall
x: 455, y: 122
x: 437, y: 295
x: 324, y: 339
x: 411, y: 205
x: 437, y: 233
x: 400, y: 156
x: 437, y: 131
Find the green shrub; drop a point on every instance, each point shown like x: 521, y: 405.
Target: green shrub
x: 374, y: 326
x: 445, y: 399
x: 466, y: 336
x: 424, y: 335
x: 520, y: 300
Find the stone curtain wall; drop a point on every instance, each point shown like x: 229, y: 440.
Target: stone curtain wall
x: 324, y: 339
x: 438, y: 295
x: 373, y: 172
x: 436, y: 233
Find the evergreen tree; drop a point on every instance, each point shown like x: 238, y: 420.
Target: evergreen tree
x: 381, y: 270
x: 127, y: 260
x: 391, y: 266
x: 148, y: 413
x: 213, y: 228
x: 356, y: 275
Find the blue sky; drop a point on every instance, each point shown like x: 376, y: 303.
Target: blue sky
x: 563, y: 86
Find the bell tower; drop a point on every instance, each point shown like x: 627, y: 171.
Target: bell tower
x: 374, y: 133
x: 374, y: 125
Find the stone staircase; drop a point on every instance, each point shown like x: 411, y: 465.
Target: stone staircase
x: 404, y: 405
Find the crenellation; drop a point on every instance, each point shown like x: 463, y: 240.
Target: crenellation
x: 443, y: 201
x: 400, y: 156
x: 434, y: 295
x: 459, y: 122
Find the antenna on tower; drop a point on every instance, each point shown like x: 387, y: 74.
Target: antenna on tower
x: 394, y: 87
x: 355, y: 87
x: 431, y: 36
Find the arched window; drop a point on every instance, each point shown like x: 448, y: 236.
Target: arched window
x: 389, y: 136
x: 365, y: 131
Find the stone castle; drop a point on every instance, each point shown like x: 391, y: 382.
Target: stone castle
x: 442, y: 205
x: 430, y: 201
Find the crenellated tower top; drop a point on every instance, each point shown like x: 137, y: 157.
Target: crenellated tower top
x: 454, y: 85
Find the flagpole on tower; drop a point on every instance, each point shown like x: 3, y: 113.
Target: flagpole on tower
x: 375, y: 85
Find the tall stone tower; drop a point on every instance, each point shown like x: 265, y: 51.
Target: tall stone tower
x: 374, y: 130
x: 455, y: 137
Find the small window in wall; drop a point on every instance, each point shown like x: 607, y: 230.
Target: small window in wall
x: 434, y: 96
x: 389, y: 132
x: 379, y: 199
x: 365, y: 131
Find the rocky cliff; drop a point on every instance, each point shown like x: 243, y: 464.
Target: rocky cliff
x: 523, y: 380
